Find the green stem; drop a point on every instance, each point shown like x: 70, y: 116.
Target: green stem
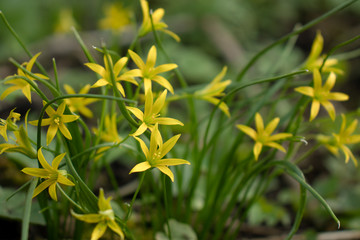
x: 69, y: 198
x: 166, y: 207
x: 27, y: 210
x: 134, y: 197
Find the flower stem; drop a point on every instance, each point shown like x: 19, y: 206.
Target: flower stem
x: 134, y: 197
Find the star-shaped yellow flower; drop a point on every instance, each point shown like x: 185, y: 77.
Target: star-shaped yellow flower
x: 314, y: 61
x: 339, y: 141
x: 151, y: 114
x: 157, y: 15
x: 50, y: 173
x: 104, y: 218
x: 321, y: 94
x: 106, y: 74
x: 154, y: 155
x: 9, y: 123
x: 21, y: 84
x: 110, y: 132
x: 262, y: 136
x: 79, y: 104
x: 215, y: 89
x: 149, y: 72
x: 56, y: 120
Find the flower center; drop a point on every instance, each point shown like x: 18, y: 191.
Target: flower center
x: 57, y: 120
x: 108, y: 214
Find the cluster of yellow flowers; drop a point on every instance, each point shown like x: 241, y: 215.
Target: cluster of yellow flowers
x: 321, y: 95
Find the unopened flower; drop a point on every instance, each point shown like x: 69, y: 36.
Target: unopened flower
x: 315, y: 61
x: 106, y: 74
x: 149, y: 72
x: 50, y: 173
x: 321, y: 94
x: 151, y: 114
x: 154, y: 155
x: 20, y: 83
x: 262, y: 135
x: 56, y: 120
x: 214, y: 90
x: 157, y: 15
x: 79, y: 104
x: 340, y: 140
x: 104, y: 218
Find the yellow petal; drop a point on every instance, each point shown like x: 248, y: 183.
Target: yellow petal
x: 137, y: 112
x: 171, y: 162
x: 98, y: 231
x: 151, y: 58
x: 63, y: 180
x: 275, y: 145
x: 163, y: 82
x: 113, y: 226
x: 317, y: 79
x: 257, y: 149
x: 259, y: 123
x: 52, y: 191
x: 68, y: 118
x: 168, y: 121
x: 166, y: 171
x: 89, y: 218
x: 168, y: 145
x: 51, y: 133
x: 279, y: 136
x: 57, y: 160
x: 36, y: 172
x: 65, y: 131
x: 272, y: 126
x: 248, y: 131
x: 329, y: 108
x: 164, y: 68
x: 140, y: 167
x: 100, y: 83
x: 42, y: 187
x: 43, y: 161
x: 119, y: 65
x: 315, y: 106
x: 308, y: 91
x: 69, y: 89
x: 96, y: 68
x: 330, y: 82
x: 143, y: 147
x: 337, y: 96
x: 140, y: 130
x: 137, y: 59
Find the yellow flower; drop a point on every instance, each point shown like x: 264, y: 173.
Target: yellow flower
x: 50, y: 173
x: 321, y: 94
x: 262, y: 136
x: 21, y: 84
x: 151, y: 114
x: 339, y: 141
x: 109, y: 133
x: 56, y: 120
x: 157, y: 15
x: 104, y: 218
x: 106, y: 74
x: 22, y: 141
x: 9, y: 123
x: 314, y: 61
x: 149, y: 72
x: 116, y: 17
x: 65, y: 21
x: 154, y: 155
x: 79, y: 104
x: 215, y: 89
